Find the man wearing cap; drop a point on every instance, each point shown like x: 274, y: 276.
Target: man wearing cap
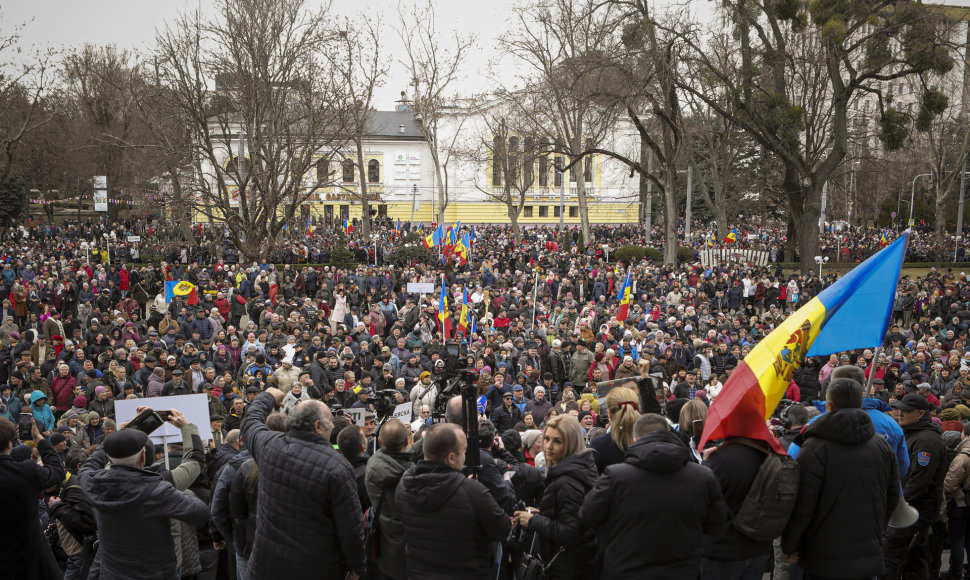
x: 508, y: 414
x: 133, y: 507
x: 176, y: 386
x: 907, y: 551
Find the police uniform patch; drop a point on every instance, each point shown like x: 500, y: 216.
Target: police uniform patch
x: 923, y: 458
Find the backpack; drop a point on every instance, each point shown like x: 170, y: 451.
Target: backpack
x: 766, y: 508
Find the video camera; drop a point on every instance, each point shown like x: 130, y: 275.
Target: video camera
x: 385, y: 403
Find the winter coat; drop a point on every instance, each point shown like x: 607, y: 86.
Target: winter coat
x: 957, y: 480
x: 505, y: 419
x: 558, y: 524
x: 63, y: 390
x: 229, y: 529
x: 43, y: 414
x: 849, y: 487
x: 923, y: 485
x: 307, y: 497
x: 441, y: 499
x: 133, y: 508
x: 23, y: 550
x: 624, y: 510
x: 242, y: 507
x: 384, y: 471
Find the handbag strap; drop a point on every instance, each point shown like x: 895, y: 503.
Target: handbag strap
x: 380, y: 504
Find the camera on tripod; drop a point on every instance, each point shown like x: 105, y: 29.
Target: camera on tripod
x: 385, y: 403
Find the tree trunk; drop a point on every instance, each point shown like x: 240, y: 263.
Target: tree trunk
x: 670, y: 217
x: 720, y: 216
x: 514, y: 218
x: 442, y: 194
x: 364, y: 203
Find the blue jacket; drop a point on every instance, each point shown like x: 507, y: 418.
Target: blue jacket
x: 42, y: 414
x: 886, y: 427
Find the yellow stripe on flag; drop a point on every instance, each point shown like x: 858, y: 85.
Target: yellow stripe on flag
x: 773, y: 360
x: 183, y: 288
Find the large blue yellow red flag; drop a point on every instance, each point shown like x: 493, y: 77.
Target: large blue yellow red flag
x: 625, y: 291
x: 443, y: 317
x: 175, y: 288
x: 710, y: 240
x: 852, y: 313
x: 732, y: 237
x: 309, y: 227
x: 883, y: 240
x: 463, y: 317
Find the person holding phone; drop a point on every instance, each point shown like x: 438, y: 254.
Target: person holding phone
x: 25, y: 553
x: 134, y: 505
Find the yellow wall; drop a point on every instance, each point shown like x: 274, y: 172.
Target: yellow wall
x: 492, y: 212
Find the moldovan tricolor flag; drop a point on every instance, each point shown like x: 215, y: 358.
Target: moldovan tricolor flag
x: 624, y: 308
x: 443, y: 316
x: 175, y: 288
x: 850, y: 314
x: 463, y: 317
x: 732, y: 237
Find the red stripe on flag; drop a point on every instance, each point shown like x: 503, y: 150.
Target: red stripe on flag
x: 739, y: 411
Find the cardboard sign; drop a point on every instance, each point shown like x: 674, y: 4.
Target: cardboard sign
x: 194, y: 407
x: 357, y: 415
x: 421, y: 287
x: 402, y: 412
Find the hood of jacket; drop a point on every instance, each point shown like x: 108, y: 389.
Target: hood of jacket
x: 847, y: 426
x: 580, y: 467
x: 120, y: 488
x: 37, y: 395
x: 430, y: 484
x: 869, y: 404
x: 387, y: 468
x: 660, y: 451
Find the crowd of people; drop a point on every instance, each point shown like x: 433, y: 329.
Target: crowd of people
x: 589, y: 422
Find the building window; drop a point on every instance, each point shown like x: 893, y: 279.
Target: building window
x: 512, y: 173
x: 573, y: 211
x: 528, y: 161
x: 373, y: 171
x: 323, y: 171
x: 558, y: 178
x: 555, y: 211
x: 527, y: 211
x: 498, y: 159
x: 347, y: 169
x: 233, y: 169
x: 588, y: 163
x: 543, y: 211
x: 543, y: 163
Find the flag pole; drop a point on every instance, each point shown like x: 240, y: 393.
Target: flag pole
x: 872, y: 371
x: 535, y: 292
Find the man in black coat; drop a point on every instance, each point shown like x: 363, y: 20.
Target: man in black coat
x: 307, y: 496
x: 24, y: 551
x: 849, y: 487
x: 624, y: 509
x: 506, y: 416
x: 907, y: 550
x: 446, y: 509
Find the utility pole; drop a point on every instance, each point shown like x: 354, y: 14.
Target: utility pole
x: 963, y: 191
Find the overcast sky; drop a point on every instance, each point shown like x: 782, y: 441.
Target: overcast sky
x: 132, y: 24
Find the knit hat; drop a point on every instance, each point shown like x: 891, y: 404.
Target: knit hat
x: 98, y: 390
x: 950, y: 415
x: 80, y: 401
x: 70, y: 415
x: 953, y: 425
x: 530, y: 436
x: 964, y: 410
x: 57, y: 439
x: 512, y: 440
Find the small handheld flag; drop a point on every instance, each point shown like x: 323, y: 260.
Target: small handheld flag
x: 443, y: 316
x: 732, y: 237
x: 624, y: 309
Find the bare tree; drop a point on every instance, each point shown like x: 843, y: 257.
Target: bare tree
x: 800, y: 67
x: 515, y: 159
x: 276, y: 110
x: 434, y: 68
x: 560, y: 47
x: 361, y: 68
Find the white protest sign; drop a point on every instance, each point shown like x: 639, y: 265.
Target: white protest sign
x: 401, y: 412
x: 357, y: 415
x: 194, y: 407
x: 421, y: 287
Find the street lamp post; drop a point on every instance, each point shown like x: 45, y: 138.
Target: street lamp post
x: 912, y: 194
x: 821, y: 260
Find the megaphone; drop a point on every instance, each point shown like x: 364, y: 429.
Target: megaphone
x: 904, y: 515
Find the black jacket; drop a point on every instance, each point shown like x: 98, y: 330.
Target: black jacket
x: 923, y: 485
x: 558, y: 524
x: 384, y: 471
x: 449, y: 522
x: 307, y: 497
x: 735, y: 465
x: 23, y: 550
x: 133, y: 508
x: 849, y: 486
x: 656, y: 493
x: 505, y: 419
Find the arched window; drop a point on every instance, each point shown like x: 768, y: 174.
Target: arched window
x: 233, y: 169
x: 373, y: 171
x: 323, y: 171
x: 347, y: 169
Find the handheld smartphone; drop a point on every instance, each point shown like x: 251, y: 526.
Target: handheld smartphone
x: 24, y: 426
x: 146, y: 422
x: 163, y: 415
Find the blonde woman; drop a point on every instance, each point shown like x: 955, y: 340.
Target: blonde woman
x: 691, y: 424
x: 570, y: 475
x: 623, y: 410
